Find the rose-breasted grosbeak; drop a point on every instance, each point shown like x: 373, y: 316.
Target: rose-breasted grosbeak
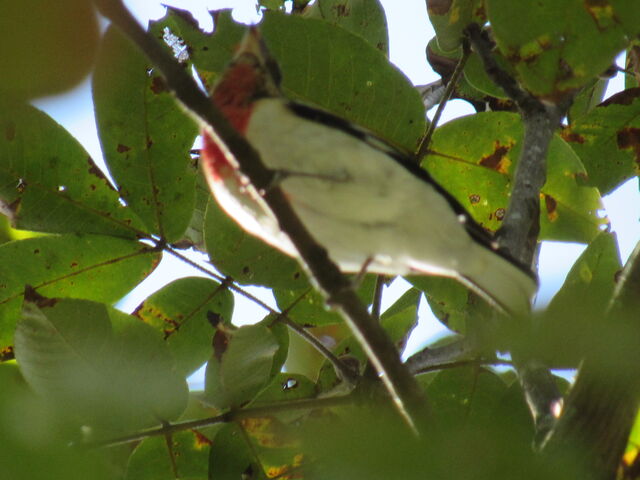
x: 366, y: 202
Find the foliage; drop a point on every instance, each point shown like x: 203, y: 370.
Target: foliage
x: 87, y: 391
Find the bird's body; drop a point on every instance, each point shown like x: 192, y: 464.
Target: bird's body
x: 360, y: 198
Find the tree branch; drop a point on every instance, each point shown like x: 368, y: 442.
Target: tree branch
x: 518, y: 234
x: 603, y: 402
x: 230, y: 416
x: 403, y: 389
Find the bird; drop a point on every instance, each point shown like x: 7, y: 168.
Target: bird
x: 368, y: 203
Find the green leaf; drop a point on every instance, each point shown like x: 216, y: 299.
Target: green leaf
x: 448, y: 299
x: 309, y: 307
x: 245, y: 367
x: 35, y: 440
x: 321, y: 64
x: 444, y: 63
x: 401, y: 317
x: 589, y: 285
x: 580, y: 304
x: 478, y: 169
x: 476, y: 75
x: 49, y: 183
x: 106, y: 368
x: 634, y: 438
x: 545, y: 40
x: 94, y: 267
x: 623, y: 11
x: 275, y: 442
x: 281, y: 333
x: 145, y: 137
x: 151, y: 459
x: 230, y: 457
x: 181, y: 311
x: 466, y: 395
x: 513, y: 408
x: 339, y: 71
x: 607, y: 140
x: 194, y: 235
x: 247, y: 259
x: 450, y: 17
x: 588, y: 98
x: 364, y: 18
x: 272, y: 4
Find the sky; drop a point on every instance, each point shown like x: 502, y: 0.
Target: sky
x: 409, y: 32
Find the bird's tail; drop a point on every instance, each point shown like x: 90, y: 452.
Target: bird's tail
x: 500, y: 281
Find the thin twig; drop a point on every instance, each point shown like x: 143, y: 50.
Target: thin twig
x: 426, y: 139
x: 230, y: 416
x: 221, y: 279
x: 404, y: 391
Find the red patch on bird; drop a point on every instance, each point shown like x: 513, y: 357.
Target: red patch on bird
x: 234, y: 97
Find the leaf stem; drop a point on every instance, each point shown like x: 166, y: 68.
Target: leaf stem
x: 423, y: 148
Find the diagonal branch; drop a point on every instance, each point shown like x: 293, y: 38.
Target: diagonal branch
x: 230, y: 416
x: 604, y: 400
x: 402, y: 387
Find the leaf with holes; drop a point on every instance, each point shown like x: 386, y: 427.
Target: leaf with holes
x: 545, y: 40
x: 478, y: 170
x: 361, y: 17
x: 145, y: 137
x: 49, y: 183
x: 239, y: 371
x: 94, y: 267
x: 607, y: 139
x: 183, y: 311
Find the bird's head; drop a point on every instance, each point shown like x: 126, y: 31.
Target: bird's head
x: 252, y: 74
